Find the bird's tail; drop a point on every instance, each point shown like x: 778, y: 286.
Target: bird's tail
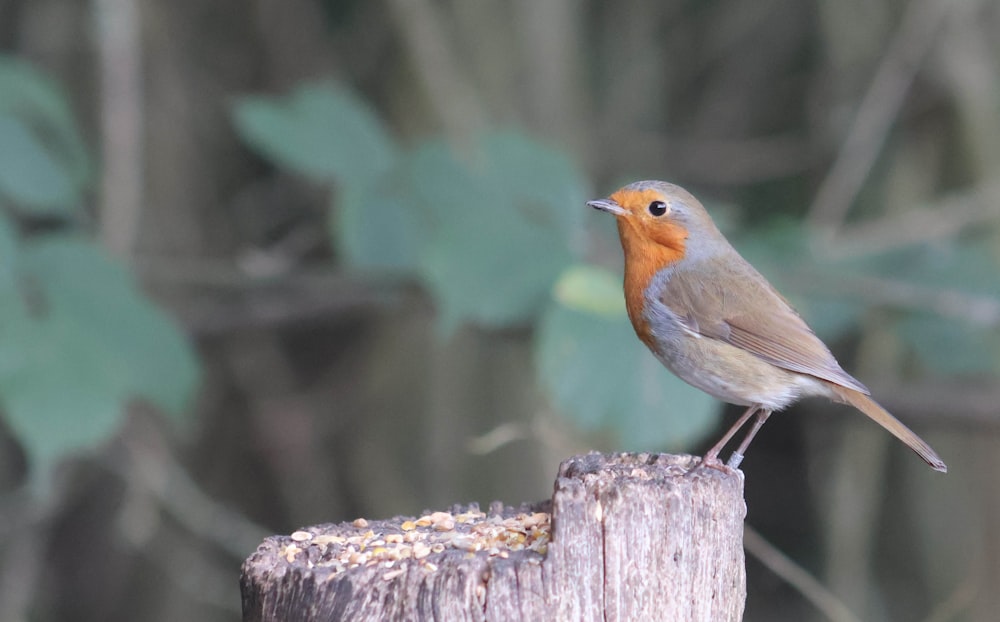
x: 882, y: 417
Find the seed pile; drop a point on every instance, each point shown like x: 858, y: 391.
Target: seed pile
x: 473, y: 532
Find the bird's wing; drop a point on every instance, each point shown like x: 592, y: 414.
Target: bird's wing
x: 768, y: 328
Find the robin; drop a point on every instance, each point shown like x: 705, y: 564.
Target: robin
x: 716, y: 323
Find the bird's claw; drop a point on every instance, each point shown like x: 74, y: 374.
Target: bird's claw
x: 712, y: 461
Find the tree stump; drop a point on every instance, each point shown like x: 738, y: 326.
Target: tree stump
x: 625, y: 537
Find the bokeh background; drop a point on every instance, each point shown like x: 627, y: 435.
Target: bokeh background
x: 274, y: 263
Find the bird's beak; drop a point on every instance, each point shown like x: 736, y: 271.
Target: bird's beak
x: 607, y: 205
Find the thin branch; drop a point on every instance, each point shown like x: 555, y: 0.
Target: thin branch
x: 500, y: 436
x: 423, y: 27
x: 543, y: 428
x: 969, y: 68
x: 855, y: 479
x: 211, y: 297
x: 877, y: 111
x: 980, y: 310
x: 195, y: 576
x: 22, y: 569
x: 159, y: 475
x: 122, y: 107
x: 553, y: 93
x: 957, y: 603
x: 945, y: 219
x: 715, y: 161
x: 798, y: 577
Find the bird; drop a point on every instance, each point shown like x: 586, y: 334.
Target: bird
x: 714, y: 321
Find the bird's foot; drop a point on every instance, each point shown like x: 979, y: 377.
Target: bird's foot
x: 711, y: 461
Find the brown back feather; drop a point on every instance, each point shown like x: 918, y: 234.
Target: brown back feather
x: 740, y: 307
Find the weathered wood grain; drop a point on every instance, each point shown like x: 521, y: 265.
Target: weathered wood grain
x: 633, y: 537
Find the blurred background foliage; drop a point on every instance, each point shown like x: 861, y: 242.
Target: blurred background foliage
x: 284, y: 262
x: 79, y: 340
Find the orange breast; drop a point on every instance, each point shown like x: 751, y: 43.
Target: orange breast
x: 643, y: 259
x: 650, y: 245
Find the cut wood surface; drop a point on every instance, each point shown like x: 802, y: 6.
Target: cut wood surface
x: 625, y: 537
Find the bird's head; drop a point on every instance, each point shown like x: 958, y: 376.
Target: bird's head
x: 661, y: 219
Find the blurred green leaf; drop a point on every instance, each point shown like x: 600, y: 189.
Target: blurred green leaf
x: 591, y: 289
x: 502, y: 220
x: 8, y: 256
x: 831, y: 319
x: 143, y: 344
x: 77, y: 340
x: 440, y: 184
x: 27, y: 93
x: 488, y: 230
x: 322, y: 131
x: 542, y: 182
x: 57, y: 395
x: 81, y: 343
x: 487, y: 265
x: 780, y: 243
x: 377, y: 227
x: 40, y: 105
x: 951, y: 347
x: 599, y: 374
x: 326, y: 133
x: 968, y: 266
x: 29, y: 175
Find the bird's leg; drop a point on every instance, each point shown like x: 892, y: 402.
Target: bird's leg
x: 737, y: 457
x: 712, y: 457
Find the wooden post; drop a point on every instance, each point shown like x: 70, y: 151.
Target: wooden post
x: 625, y: 537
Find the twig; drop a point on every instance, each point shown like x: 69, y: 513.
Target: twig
x: 195, y: 575
x: 542, y: 429
x: 945, y: 219
x: 855, y: 481
x: 978, y: 309
x: 798, y: 577
x: 160, y: 476
x: 553, y: 93
x: 211, y: 297
x: 958, y: 602
x: 19, y: 510
x: 877, y: 111
x: 717, y: 161
x: 503, y: 434
x: 21, y: 570
x: 969, y: 68
x: 119, y: 56
x: 455, y: 102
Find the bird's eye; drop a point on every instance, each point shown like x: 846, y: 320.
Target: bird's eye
x: 657, y: 208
